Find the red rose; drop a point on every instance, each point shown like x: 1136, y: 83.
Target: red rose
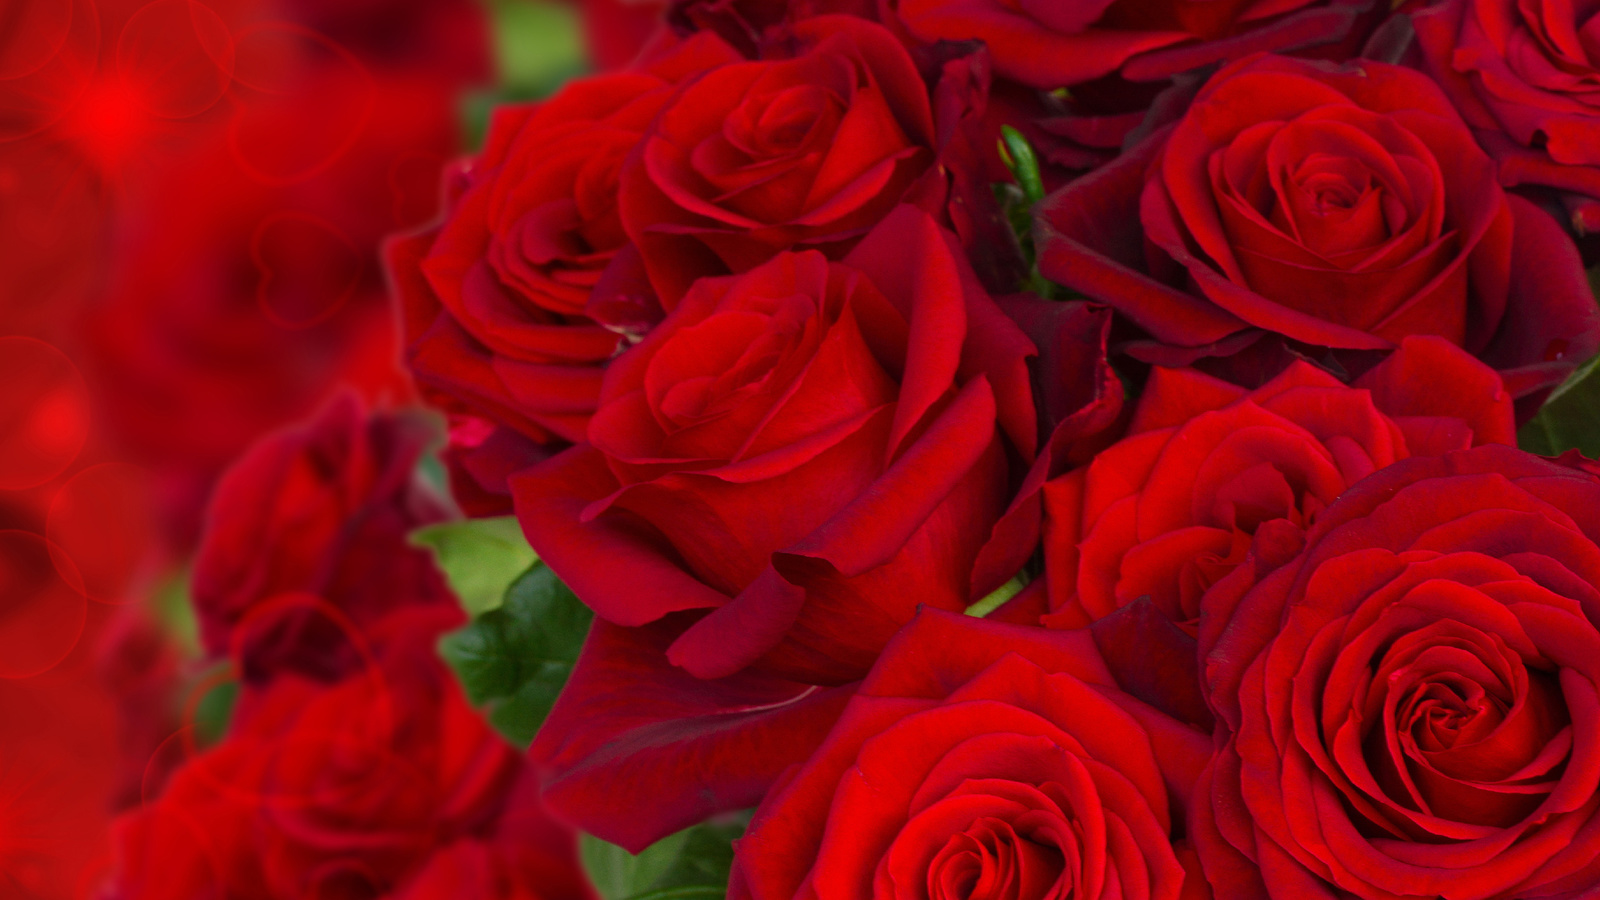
x: 980, y: 761
x: 322, y: 510
x: 1172, y: 507
x: 804, y: 152
x: 348, y: 791
x: 1344, y: 207
x: 1524, y: 78
x: 808, y: 452
x: 1409, y: 707
x: 500, y: 300
x: 1050, y: 45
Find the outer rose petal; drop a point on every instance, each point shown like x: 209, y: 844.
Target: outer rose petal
x: 630, y: 725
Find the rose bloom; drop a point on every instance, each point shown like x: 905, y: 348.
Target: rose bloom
x: 1342, y: 207
x: 1052, y: 44
x: 506, y: 314
x: 807, y: 452
x: 1206, y: 465
x: 384, y: 784
x: 1408, y: 708
x: 807, y: 151
x: 979, y: 761
x: 323, y: 509
x: 1527, y: 80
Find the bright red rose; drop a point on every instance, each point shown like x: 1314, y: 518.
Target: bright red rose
x: 1526, y: 77
x: 323, y: 510
x: 501, y: 303
x: 1049, y: 44
x: 369, y: 788
x: 982, y: 761
x: 803, y: 152
x: 1343, y: 207
x: 808, y: 452
x: 1409, y: 707
x: 1205, y: 466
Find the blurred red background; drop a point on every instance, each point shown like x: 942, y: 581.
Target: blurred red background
x: 192, y: 200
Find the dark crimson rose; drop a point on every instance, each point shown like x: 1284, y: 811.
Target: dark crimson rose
x: 1344, y: 207
x: 803, y: 152
x: 323, y: 509
x: 1049, y: 44
x: 385, y: 784
x: 1205, y: 466
x: 807, y: 452
x: 1408, y: 708
x: 500, y: 299
x: 982, y: 761
x: 1526, y: 77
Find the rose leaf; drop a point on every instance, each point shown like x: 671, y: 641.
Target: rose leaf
x: 690, y: 865
x: 515, y: 659
x: 479, y: 557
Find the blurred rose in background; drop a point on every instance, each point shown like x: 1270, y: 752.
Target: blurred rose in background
x: 193, y: 196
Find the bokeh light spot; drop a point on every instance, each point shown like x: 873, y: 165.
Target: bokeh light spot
x: 177, y: 56
x: 44, y: 413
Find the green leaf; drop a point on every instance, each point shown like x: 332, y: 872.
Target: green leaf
x: 214, y: 712
x: 690, y: 865
x: 480, y: 557
x: 1569, y: 419
x: 516, y: 658
x: 174, y: 610
x: 538, y: 44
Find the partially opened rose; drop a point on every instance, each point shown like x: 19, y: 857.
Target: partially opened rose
x: 1338, y: 206
x: 1409, y: 707
x: 982, y: 761
x: 346, y: 790
x: 806, y: 453
x: 1206, y: 466
x: 1049, y: 44
x: 1526, y: 77
x: 809, y: 150
x: 323, y: 509
x: 500, y: 298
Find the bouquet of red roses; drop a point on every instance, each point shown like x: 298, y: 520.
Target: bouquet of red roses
x: 985, y: 450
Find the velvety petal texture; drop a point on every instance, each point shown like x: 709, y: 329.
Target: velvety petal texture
x: 807, y: 147
x: 806, y: 453
x: 1207, y: 466
x: 1050, y: 45
x: 1526, y: 77
x: 517, y: 299
x: 1343, y: 207
x: 981, y: 760
x: 1408, y: 707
